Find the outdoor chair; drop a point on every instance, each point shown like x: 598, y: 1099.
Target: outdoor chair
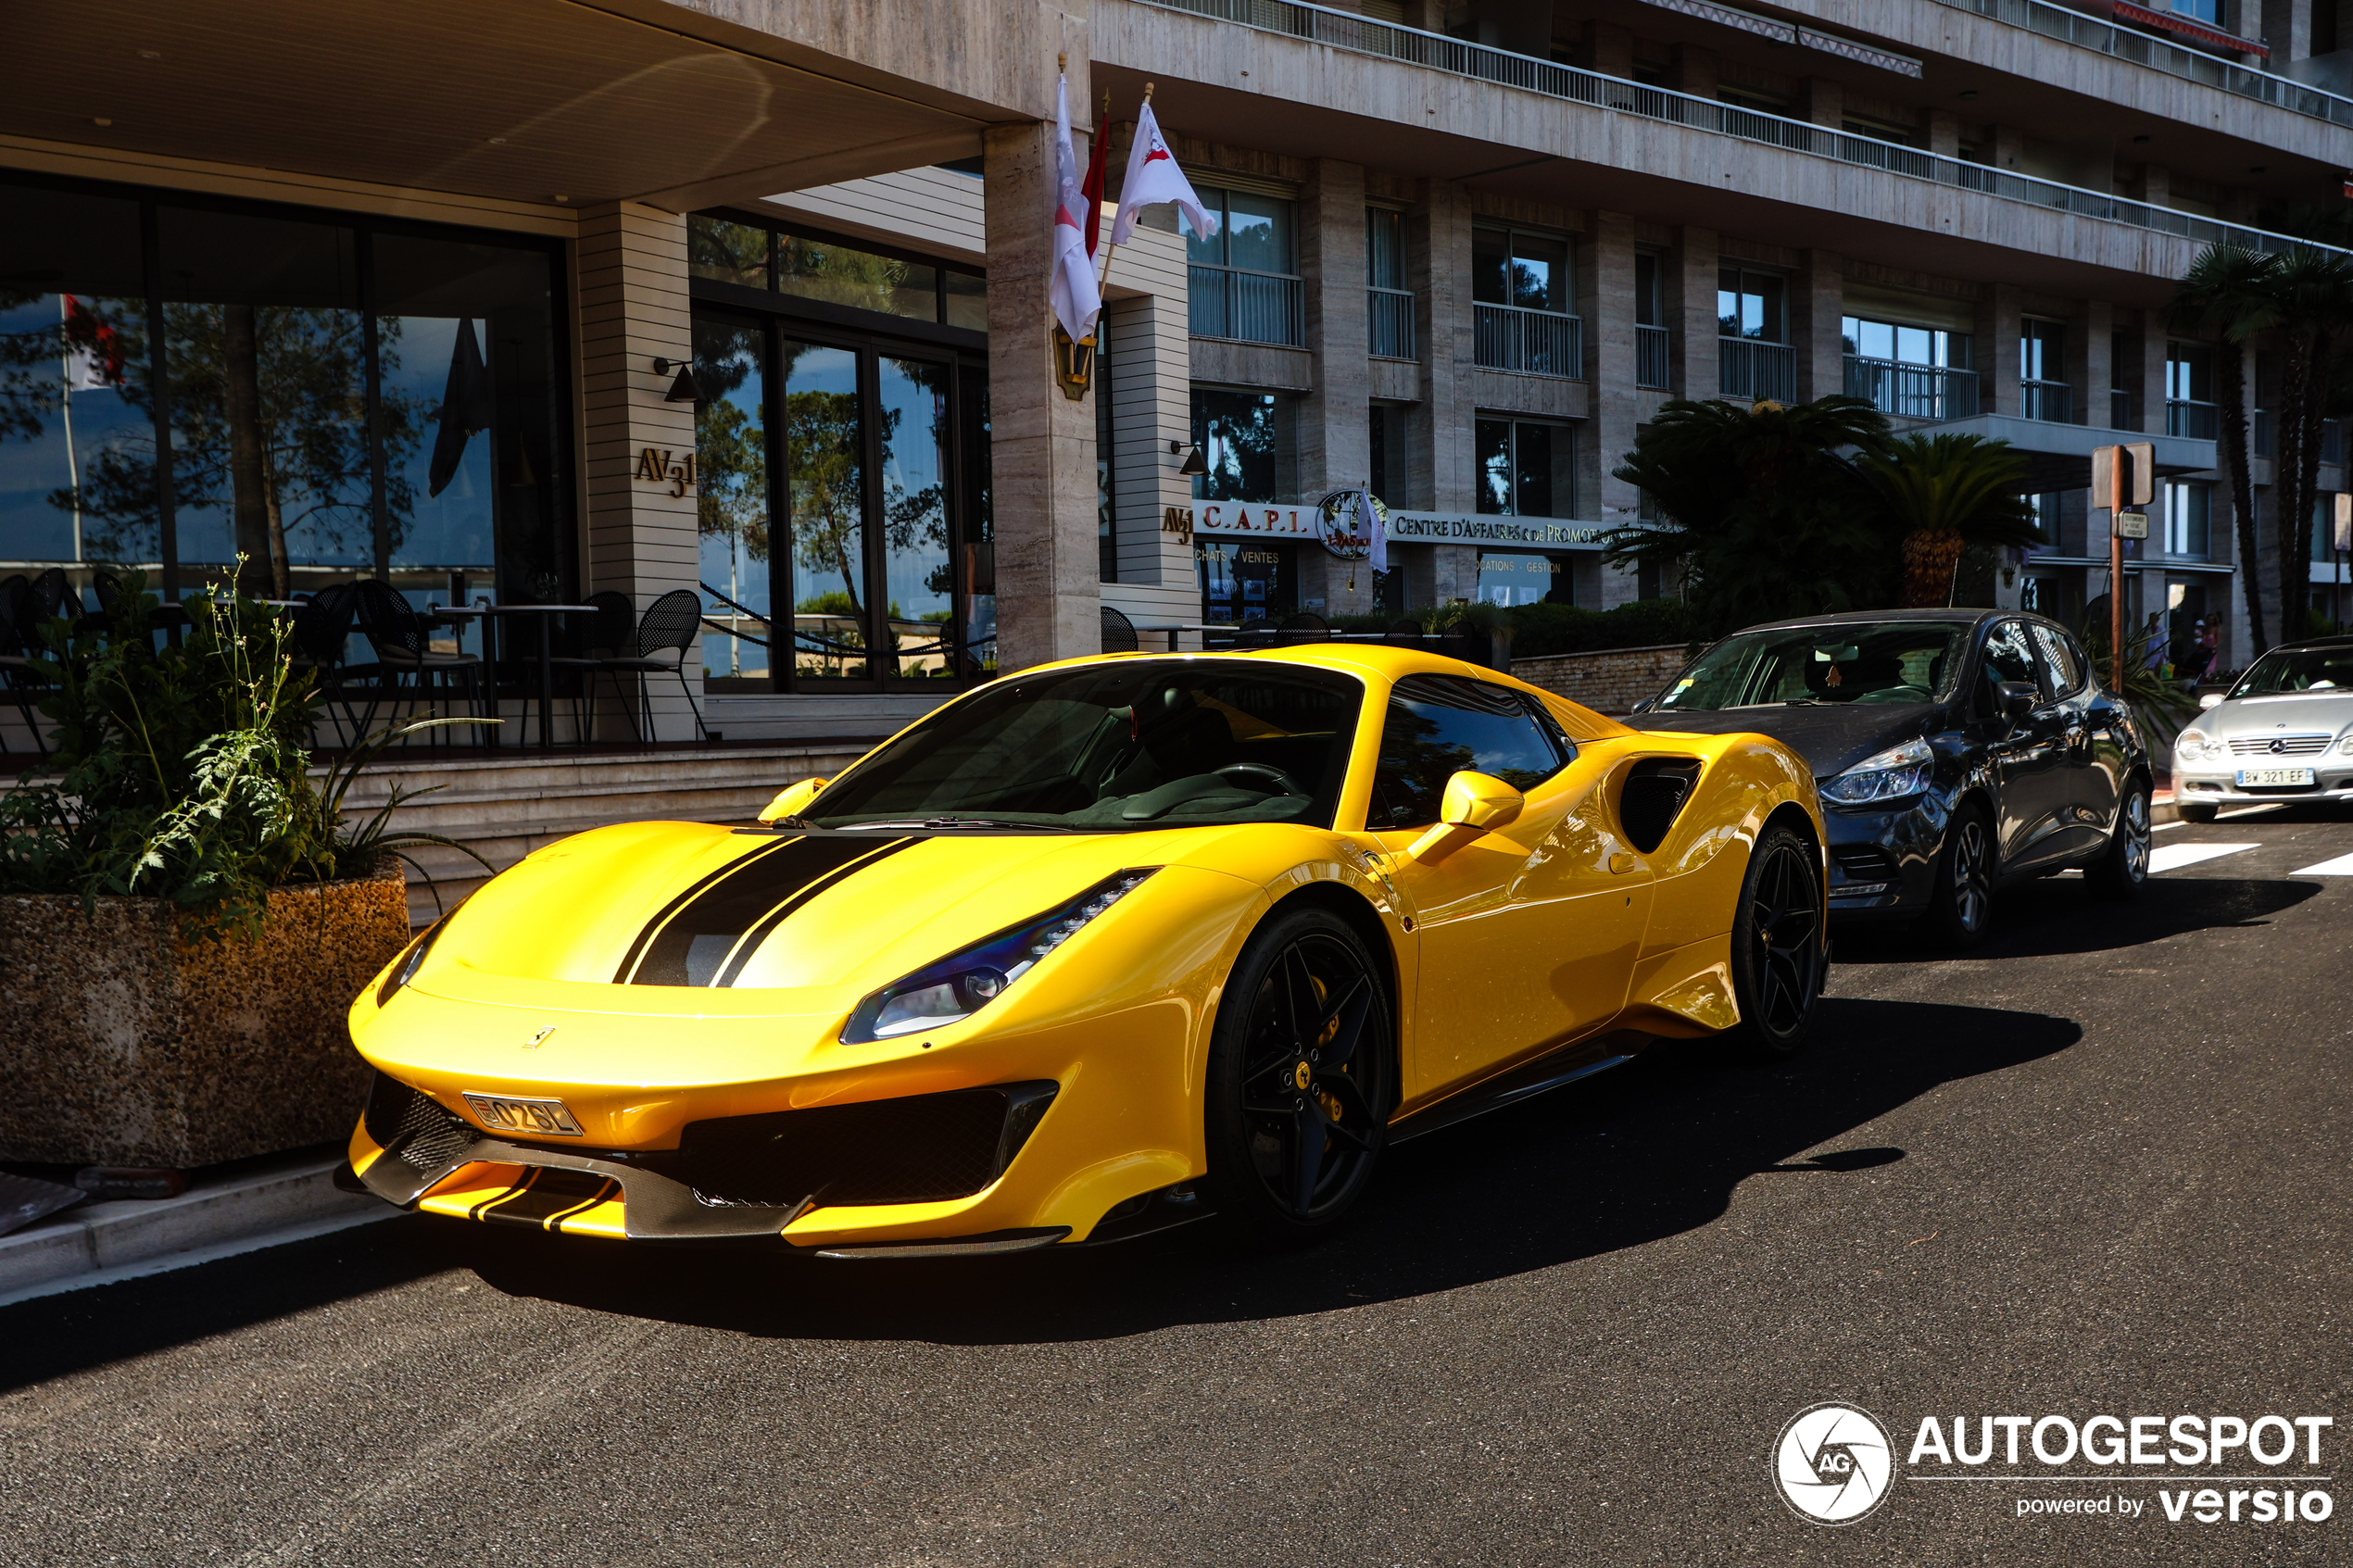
x: 403, y: 642
x: 1305, y: 627
x: 592, y: 644
x: 668, y: 628
x: 321, y: 633
x: 109, y: 587
x: 1119, y: 633
x: 54, y: 590
x: 1408, y: 633
x: 19, y: 613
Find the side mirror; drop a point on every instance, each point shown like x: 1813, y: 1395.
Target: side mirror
x: 2019, y: 698
x: 2211, y: 699
x: 1645, y: 705
x: 1475, y: 805
x: 792, y: 800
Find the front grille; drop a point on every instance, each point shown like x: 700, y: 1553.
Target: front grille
x: 917, y: 1149
x: 2288, y: 745
x: 413, y: 1128
x: 1864, y: 862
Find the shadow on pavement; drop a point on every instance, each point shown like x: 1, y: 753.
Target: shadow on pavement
x: 1650, y: 1150
x: 2059, y: 915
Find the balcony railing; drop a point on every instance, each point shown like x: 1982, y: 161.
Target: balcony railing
x: 2201, y: 421
x: 1649, y: 358
x: 1745, y: 368
x: 1347, y: 31
x: 2263, y: 426
x: 1534, y: 342
x: 1389, y: 314
x: 1251, y: 307
x: 2050, y: 401
x: 1912, y: 391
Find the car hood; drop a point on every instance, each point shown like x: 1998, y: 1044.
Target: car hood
x: 659, y: 917
x: 2297, y: 713
x: 1830, y: 738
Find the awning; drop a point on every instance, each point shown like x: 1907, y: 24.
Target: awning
x: 2060, y: 456
x: 2167, y: 21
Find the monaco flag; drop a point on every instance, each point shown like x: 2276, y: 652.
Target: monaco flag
x: 1076, y: 298
x: 1153, y: 178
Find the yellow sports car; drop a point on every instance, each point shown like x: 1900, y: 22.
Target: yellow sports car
x: 1096, y: 948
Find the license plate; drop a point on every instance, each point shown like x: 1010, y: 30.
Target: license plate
x: 2260, y: 777
x: 532, y: 1118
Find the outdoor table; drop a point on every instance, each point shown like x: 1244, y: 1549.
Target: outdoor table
x: 546, y: 653
x: 1172, y: 631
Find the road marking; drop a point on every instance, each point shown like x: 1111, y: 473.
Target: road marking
x: 2341, y: 866
x: 2162, y: 827
x: 2173, y: 856
x: 2250, y: 810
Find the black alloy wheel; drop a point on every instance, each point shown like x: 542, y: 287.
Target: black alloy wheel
x: 1962, y: 904
x: 2123, y: 866
x: 1300, y: 1072
x: 1777, y: 959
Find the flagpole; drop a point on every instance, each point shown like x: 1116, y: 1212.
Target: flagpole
x: 1109, y: 246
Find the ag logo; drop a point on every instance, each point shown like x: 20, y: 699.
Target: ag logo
x: 1833, y: 1463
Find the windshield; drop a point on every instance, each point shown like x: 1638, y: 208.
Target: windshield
x: 1130, y: 746
x: 2285, y: 670
x: 1881, y: 662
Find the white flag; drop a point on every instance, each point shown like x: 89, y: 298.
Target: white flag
x: 1077, y: 300
x: 1368, y: 524
x: 1153, y: 178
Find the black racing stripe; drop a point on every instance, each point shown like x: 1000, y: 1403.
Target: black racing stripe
x: 653, y: 927
x: 607, y: 1188
x: 765, y: 926
x: 550, y: 1192
x: 694, y: 942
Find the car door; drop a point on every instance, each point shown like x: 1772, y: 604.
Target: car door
x: 1527, y: 935
x: 2029, y: 755
x: 2093, y: 754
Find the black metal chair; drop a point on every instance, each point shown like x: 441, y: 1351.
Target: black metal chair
x: 1305, y: 627
x: 668, y: 626
x: 403, y: 641
x: 1256, y: 631
x: 19, y: 613
x: 1119, y: 633
x: 109, y: 587
x: 1406, y: 633
x: 53, y: 589
x: 321, y: 635
x: 592, y: 644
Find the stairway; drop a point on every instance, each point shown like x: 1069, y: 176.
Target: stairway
x: 504, y: 808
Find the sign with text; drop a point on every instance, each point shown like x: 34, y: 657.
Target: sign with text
x: 1256, y: 522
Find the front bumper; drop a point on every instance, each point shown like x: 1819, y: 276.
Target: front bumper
x: 1883, y: 861
x: 2218, y: 784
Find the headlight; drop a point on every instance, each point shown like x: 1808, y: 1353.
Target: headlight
x: 404, y: 968
x: 2193, y: 747
x: 2345, y: 746
x: 1891, y: 775
x: 962, y: 983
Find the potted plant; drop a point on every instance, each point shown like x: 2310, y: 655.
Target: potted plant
x: 184, y: 912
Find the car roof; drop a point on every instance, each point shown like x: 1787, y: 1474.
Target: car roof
x: 1973, y: 615
x: 2304, y: 644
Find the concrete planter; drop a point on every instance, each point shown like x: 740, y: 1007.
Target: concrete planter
x: 122, y: 1043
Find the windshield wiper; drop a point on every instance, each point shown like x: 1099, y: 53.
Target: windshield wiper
x: 948, y: 825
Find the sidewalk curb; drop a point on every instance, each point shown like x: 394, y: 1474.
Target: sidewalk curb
x: 97, y: 1243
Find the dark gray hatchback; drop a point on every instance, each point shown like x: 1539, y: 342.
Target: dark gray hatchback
x: 1955, y: 750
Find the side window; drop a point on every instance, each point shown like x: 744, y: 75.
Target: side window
x: 1439, y: 725
x: 2064, y: 665
x: 2009, y: 656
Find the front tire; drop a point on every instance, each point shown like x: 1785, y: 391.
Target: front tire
x: 1778, y: 957
x: 2124, y: 865
x: 1962, y: 904
x: 1300, y: 1078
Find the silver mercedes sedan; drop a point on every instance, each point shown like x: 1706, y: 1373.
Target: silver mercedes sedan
x: 2283, y: 732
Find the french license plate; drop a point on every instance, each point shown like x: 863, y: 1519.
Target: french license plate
x: 2260, y: 777
x: 532, y: 1118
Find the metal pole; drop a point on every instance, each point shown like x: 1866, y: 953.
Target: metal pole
x: 2115, y: 494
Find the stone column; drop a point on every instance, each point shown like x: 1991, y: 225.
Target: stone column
x: 1041, y: 443
x: 1691, y: 268
x: 1439, y: 440
x: 1335, y: 438
x: 2090, y: 347
x: 1944, y: 132
x: 1605, y: 287
x: 1694, y: 70
x: 1816, y: 303
x: 642, y: 540
x: 1998, y: 320
x: 1824, y: 102
x: 1607, y: 47
x: 2152, y: 378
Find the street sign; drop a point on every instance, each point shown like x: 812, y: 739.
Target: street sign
x: 2132, y: 525
x: 2138, y: 486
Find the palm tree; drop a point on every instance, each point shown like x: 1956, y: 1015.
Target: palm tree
x: 2228, y: 293
x: 1759, y: 506
x: 1947, y: 492
x: 2314, y: 288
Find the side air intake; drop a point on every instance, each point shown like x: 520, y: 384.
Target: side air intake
x: 1652, y: 797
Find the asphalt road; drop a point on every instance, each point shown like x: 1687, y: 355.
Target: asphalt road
x: 2100, y: 1166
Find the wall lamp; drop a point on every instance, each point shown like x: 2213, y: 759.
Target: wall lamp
x: 684, y: 389
x: 1193, y: 463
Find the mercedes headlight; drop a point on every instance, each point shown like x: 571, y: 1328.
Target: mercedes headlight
x: 2194, y: 746
x: 962, y: 983
x: 1891, y: 775
x: 2345, y: 746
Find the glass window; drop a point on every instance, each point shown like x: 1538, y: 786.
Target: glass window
x: 1441, y: 725
x: 967, y: 300
x: 2189, y: 372
x: 1844, y: 662
x: 726, y: 250
x: 1133, y: 747
x: 2009, y: 656
x: 1872, y: 339
x: 1530, y: 271
x: 1650, y: 305
x: 731, y: 486
x: 1525, y: 469
x: 1255, y: 231
x: 918, y: 583
x: 979, y: 620
x: 1249, y: 440
x: 2041, y: 350
x: 2189, y: 510
x: 839, y: 274
x: 1515, y: 577
x: 1751, y: 305
x: 1384, y: 248
x: 267, y: 358
x: 2283, y: 670
x: 2062, y: 665
x: 77, y: 437
x: 825, y: 482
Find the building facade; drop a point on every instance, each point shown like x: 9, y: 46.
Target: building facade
x: 751, y: 301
